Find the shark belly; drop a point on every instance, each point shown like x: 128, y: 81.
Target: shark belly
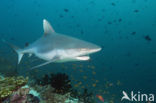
x: 81, y: 58
x: 46, y: 56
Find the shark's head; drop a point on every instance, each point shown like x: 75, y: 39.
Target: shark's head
x: 87, y: 48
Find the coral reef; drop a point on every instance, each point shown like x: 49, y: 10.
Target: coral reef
x: 32, y: 99
x: 57, y: 88
x: 10, y: 84
x: 84, y: 97
x: 19, y: 96
x: 60, y: 82
x: 48, y: 95
x: 87, y: 97
x: 45, y: 80
x: 22, y: 96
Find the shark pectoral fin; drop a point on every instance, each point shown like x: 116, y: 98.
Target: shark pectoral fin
x: 48, y: 62
x: 47, y: 28
x: 83, y: 58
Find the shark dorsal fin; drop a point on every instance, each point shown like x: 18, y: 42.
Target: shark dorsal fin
x: 48, y: 29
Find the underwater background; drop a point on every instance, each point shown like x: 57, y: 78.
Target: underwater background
x: 125, y: 29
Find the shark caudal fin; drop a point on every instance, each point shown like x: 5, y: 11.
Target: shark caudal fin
x: 16, y: 49
x: 19, y: 52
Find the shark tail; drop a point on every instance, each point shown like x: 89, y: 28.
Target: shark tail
x: 19, y: 52
x: 16, y: 49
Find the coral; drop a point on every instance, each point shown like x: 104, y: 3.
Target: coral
x: 10, y: 84
x: 44, y: 81
x: 85, y: 97
x: 19, y: 96
x: 48, y: 95
x: 32, y: 91
x: 75, y: 93
x: 57, y: 88
x: 60, y: 82
x: 72, y: 100
x: 1, y: 77
x: 32, y: 99
x: 22, y: 96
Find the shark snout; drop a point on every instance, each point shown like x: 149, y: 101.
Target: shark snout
x: 96, y: 49
x: 90, y: 50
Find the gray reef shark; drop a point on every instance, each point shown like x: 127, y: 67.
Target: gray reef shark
x: 55, y: 47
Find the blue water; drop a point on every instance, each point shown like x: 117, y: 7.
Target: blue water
x: 125, y: 29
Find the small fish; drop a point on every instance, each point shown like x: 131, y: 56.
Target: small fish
x: 88, y: 66
x: 111, y: 84
x: 111, y: 101
x: 109, y: 22
x: 61, y: 16
x: 83, y: 87
x: 92, y: 67
x: 119, y: 20
x: 76, y: 85
x: 113, y: 4
x: 136, y: 11
x: 133, y: 33
x: 12, y: 38
x: 81, y: 70
x: 148, y: 38
x: 94, y: 85
x: 93, y: 73
x: 104, y: 92
x: 26, y: 44
x: 84, y: 77
x: 81, y: 66
x: 100, y: 97
x: 97, y: 81
x: 66, y: 10
x: 118, y: 83
x: 80, y: 83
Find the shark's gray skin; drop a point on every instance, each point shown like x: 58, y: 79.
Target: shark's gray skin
x: 55, y: 47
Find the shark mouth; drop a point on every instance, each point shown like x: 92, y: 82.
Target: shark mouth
x: 83, y: 58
